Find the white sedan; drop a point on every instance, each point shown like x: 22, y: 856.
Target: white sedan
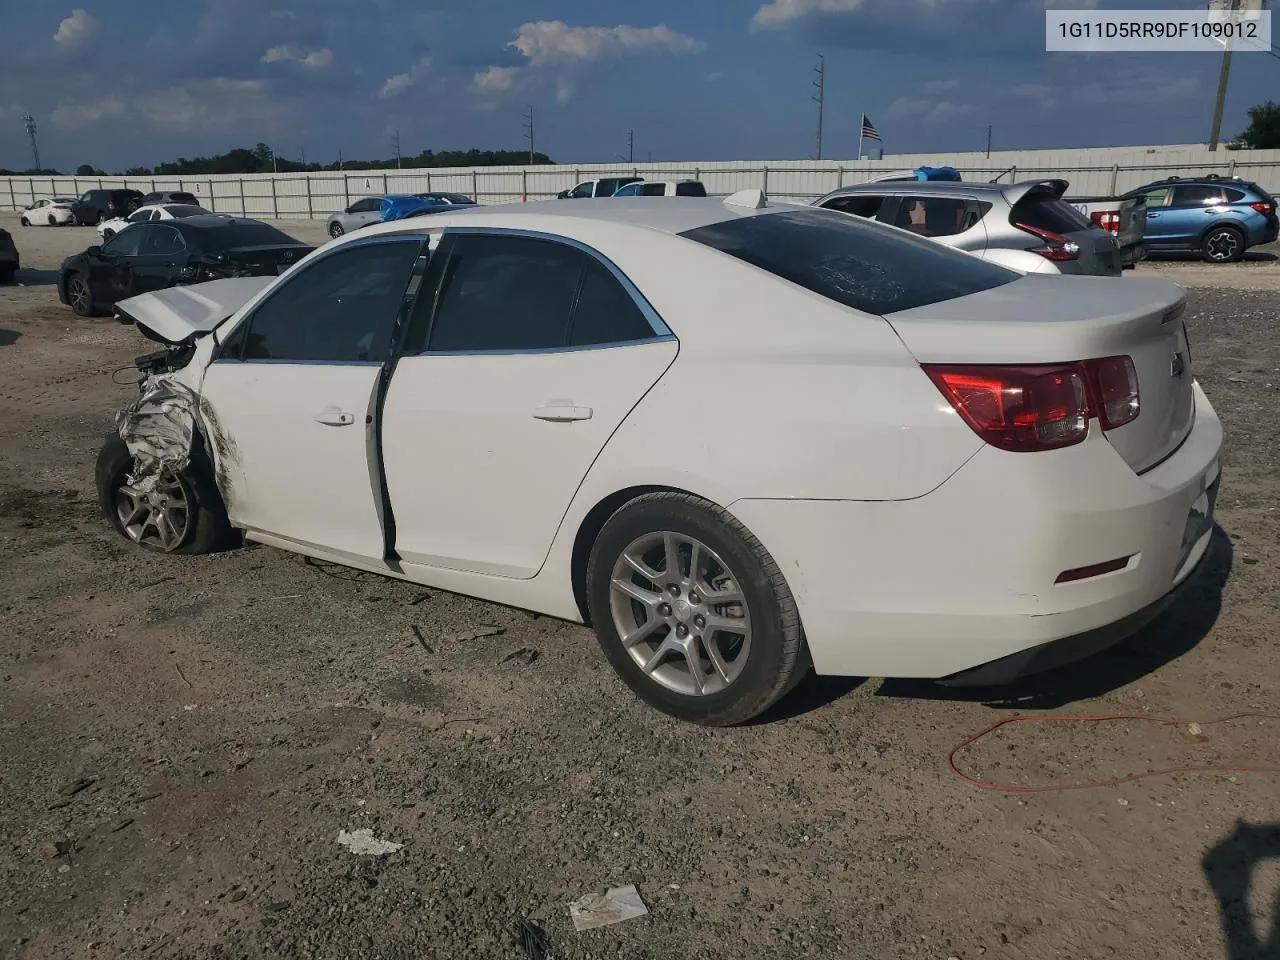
x: 156, y: 211
x: 737, y: 438
x: 49, y: 212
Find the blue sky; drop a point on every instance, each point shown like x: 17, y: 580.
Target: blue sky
x: 115, y: 83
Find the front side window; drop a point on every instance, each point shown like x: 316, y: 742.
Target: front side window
x: 856, y: 205
x: 630, y: 190
x: 583, y: 190
x: 1157, y: 197
x: 505, y: 293
x: 341, y: 308
x: 127, y: 242
x: 861, y: 265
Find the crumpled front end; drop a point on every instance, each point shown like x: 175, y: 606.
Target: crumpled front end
x: 159, y: 430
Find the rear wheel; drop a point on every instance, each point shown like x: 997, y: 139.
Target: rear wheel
x: 25, y: 222
x: 1223, y: 245
x: 7, y: 275
x: 180, y: 513
x: 692, y: 612
x: 53, y: 221
x: 336, y: 230
x: 79, y: 296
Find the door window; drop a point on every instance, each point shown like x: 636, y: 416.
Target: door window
x: 368, y: 205
x: 605, y: 312
x: 1157, y: 197
x: 505, y: 293
x: 1197, y: 195
x: 127, y: 242
x: 341, y: 308
x: 583, y: 189
x: 163, y: 240
x: 858, y: 205
x: 653, y: 189
x: 932, y: 216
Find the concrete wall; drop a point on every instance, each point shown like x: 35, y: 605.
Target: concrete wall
x: 1091, y: 172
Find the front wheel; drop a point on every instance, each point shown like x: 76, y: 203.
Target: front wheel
x: 25, y: 222
x: 692, y: 611
x: 79, y: 296
x: 179, y: 513
x: 336, y: 230
x: 1223, y: 245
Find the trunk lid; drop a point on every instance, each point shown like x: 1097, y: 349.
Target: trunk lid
x: 181, y: 314
x: 1042, y: 319
x: 1040, y: 207
x: 263, y: 260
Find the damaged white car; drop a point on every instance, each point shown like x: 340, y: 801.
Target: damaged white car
x: 737, y: 438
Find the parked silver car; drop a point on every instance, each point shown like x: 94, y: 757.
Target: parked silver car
x: 360, y: 214
x: 1025, y: 226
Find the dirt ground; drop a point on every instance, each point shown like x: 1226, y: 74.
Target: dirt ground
x: 182, y: 739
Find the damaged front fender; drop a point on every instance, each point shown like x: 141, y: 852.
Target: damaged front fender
x: 159, y: 429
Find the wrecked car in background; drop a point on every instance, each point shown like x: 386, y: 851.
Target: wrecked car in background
x: 527, y: 404
x: 157, y: 254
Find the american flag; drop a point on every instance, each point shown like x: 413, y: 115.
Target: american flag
x: 868, y: 129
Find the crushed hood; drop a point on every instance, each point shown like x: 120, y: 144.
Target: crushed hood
x: 180, y: 314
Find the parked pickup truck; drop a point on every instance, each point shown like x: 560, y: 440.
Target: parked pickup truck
x: 1125, y: 220
x: 604, y: 187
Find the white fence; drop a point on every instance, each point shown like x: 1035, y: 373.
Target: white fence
x: 1091, y: 172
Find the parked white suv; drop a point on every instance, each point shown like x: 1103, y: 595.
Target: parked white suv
x: 663, y: 188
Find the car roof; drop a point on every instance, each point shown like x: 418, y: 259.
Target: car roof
x: 670, y: 215
x: 211, y: 221
x: 922, y: 186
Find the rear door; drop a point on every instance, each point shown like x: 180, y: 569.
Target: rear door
x: 1193, y: 209
x: 509, y: 387
x: 293, y: 393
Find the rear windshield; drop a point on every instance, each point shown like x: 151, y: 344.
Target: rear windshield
x: 1046, y: 212
x: 184, y: 210
x: 690, y: 189
x: 244, y: 234
x: 863, y: 265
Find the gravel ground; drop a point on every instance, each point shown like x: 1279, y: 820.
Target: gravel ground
x: 182, y: 739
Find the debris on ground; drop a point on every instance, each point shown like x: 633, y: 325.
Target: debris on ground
x: 58, y: 848
x: 75, y: 786
x: 363, y: 842
x: 531, y: 940
x: 479, y: 632
x: 610, y: 906
x: 525, y: 655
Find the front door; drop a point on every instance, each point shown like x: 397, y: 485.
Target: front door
x: 160, y: 257
x: 111, y: 271
x: 292, y: 399
x: 1160, y: 223
x: 504, y: 398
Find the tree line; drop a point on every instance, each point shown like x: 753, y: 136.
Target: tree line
x: 262, y: 159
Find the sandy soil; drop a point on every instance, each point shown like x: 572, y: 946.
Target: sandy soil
x: 182, y: 739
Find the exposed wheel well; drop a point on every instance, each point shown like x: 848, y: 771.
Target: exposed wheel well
x: 590, y: 528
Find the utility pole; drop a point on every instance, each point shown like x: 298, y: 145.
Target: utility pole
x: 528, y: 130
x: 339, y: 159
x: 395, y: 142
x: 303, y: 151
x: 1216, y: 130
x: 820, y: 84
x: 30, y: 121
x: 988, y: 141
x: 631, y: 146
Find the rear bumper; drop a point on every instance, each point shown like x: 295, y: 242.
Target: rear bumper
x: 965, y: 575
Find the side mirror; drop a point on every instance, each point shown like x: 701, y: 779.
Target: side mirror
x: 94, y: 251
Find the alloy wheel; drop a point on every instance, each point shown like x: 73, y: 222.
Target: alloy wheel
x: 335, y: 230
x: 156, y: 518
x: 680, y: 613
x: 1223, y: 246
x: 78, y: 294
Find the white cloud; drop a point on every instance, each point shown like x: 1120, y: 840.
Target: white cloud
x: 288, y: 53
x: 218, y: 103
x: 940, y: 86
x: 928, y: 111
x: 781, y: 13
x: 400, y: 82
x: 76, y: 29
x: 550, y: 41
x: 552, y: 44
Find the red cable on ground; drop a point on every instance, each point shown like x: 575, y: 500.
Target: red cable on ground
x: 1111, y: 781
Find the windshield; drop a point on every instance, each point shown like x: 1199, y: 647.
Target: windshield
x: 862, y: 265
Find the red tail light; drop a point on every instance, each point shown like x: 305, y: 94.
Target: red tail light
x: 1055, y: 246
x: 1041, y: 406
x: 1263, y: 207
x: 1108, y: 220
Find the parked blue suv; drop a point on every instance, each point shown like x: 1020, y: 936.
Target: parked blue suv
x: 1217, y: 217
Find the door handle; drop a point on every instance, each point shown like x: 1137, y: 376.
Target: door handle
x: 334, y: 418
x: 562, y: 411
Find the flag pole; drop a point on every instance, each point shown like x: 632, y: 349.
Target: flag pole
x: 862, y: 126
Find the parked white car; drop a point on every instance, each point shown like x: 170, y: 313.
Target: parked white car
x: 735, y: 437
x: 160, y: 211
x: 663, y: 188
x: 49, y: 212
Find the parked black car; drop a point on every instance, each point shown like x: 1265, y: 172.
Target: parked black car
x: 9, y: 259
x: 171, y: 196
x: 99, y: 205
x: 166, y: 253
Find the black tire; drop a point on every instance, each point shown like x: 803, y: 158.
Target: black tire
x: 1223, y: 244
x: 108, y: 234
x: 336, y: 230
x: 25, y: 222
x: 83, y: 306
x: 208, y: 529
x: 7, y: 275
x: 53, y: 221
x: 777, y: 657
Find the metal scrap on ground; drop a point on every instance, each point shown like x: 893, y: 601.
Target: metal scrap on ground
x: 601, y: 909
x: 363, y: 841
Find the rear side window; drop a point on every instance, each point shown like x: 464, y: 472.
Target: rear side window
x: 1233, y: 196
x: 505, y: 293
x: 691, y: 189
x: 857, y: 205
x: 1196, y: 195
x: 862, y: 265
x: 605, y: 313
x: 652, y: 189
x: 1046, y: 212
x: 181, y: 210
x: 244, y: 233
